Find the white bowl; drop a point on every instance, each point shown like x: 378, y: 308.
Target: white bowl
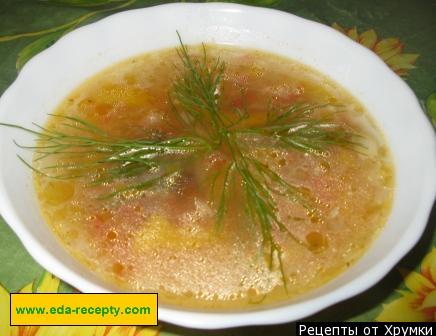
x: 50, y: 76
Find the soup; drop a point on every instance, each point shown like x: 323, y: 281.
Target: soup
x: 219, y: 177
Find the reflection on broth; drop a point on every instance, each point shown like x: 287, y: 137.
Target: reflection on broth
x: 276, y: 183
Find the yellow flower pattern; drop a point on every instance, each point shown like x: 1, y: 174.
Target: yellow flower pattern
x: 50, y: 284
x: 390, y: 50
x: 418, y: 302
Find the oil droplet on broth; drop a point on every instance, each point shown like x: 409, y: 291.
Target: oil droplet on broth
x: 316, y: 241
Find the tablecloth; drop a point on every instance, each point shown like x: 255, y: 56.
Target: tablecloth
x: 402, y: 33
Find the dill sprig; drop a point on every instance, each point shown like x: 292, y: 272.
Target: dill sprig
x: 91, y: 152
x: 260, y: 186
x: 195, y: 100
x: 296, y: 128
x: 195, y: 94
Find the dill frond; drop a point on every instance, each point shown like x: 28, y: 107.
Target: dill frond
x: 296, y: 128
x: 196, y: 92
x: 195, y: 100
x: 94, y: 154
x: 260, y: 183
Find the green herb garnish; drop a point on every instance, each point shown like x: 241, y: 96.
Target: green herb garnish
x: 195, y: 101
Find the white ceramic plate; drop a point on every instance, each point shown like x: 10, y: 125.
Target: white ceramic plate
x: 46, y: 80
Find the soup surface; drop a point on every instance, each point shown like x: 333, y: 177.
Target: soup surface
x: 241, y: 218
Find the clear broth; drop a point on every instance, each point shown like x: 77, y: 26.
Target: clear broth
x: 160, y: 241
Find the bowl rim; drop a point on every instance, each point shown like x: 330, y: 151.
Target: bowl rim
x: 214, y: 320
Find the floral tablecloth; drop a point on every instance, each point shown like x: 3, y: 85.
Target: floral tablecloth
x: 402, y: 33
